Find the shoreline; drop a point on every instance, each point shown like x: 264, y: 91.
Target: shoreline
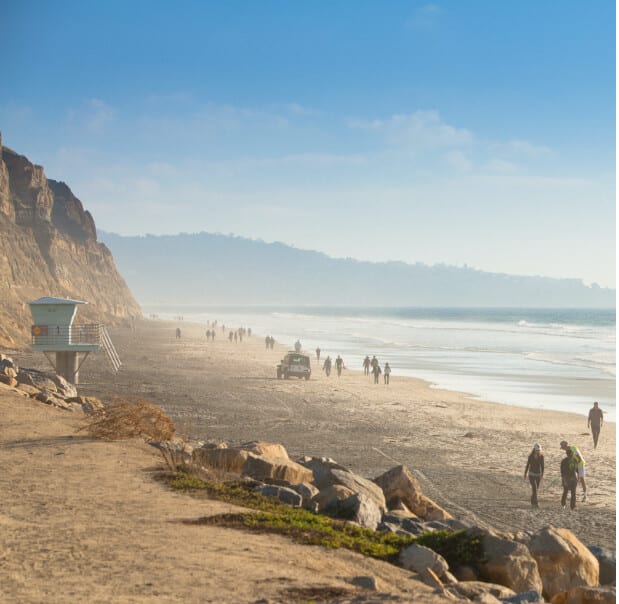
x: 469, y: 455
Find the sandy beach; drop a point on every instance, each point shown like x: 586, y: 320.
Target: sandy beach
x: 73, y: 508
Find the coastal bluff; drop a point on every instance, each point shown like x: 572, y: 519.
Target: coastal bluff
x: 48, y: 246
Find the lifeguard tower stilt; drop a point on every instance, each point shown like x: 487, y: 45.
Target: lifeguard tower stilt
x: 54, y: 332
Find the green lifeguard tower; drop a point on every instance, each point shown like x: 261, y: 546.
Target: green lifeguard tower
x: 53, y: 331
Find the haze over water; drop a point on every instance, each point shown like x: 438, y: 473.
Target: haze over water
x: 540, y: 358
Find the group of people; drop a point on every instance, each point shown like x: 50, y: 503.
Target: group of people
x: 269, y: 342
x: 373, y: 366
x: 326, y: 366
x: 572, y: 465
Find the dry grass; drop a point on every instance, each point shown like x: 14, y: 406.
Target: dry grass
x: 130, y: 417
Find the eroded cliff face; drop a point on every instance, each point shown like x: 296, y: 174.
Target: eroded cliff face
x: 48, y: 247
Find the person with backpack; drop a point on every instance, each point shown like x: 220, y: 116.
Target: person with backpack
x: 535, y: 470
x: 580, y: 464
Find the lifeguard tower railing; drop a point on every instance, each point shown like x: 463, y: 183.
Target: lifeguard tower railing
x: 78, y: 337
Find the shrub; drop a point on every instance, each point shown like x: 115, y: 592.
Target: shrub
x: 130, y: 417
x: 457, y: 547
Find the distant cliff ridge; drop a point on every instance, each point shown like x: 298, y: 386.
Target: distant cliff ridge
x: 48, y: 247
x: 212, y: 269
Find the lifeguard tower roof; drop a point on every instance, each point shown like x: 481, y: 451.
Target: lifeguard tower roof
x: 50, y: 300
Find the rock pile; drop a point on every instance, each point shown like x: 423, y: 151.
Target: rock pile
x: 44, y: 386
x: 551, y: 565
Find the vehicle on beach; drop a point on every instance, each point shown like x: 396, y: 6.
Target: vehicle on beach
x: 294, y: 364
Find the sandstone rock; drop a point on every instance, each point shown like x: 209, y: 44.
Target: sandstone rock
x: 8, y: 366
x: 464, y: 572
x: 418, y: 558
x: 368, y: 582
x: 358, y: 484
x: 30, y: 390
x: 526, y: 597
x: 398, y: 484
x: 8, y: 380
x: 224, y: 459
x: 508, y: 562
x: 6, y: 388
x: 35, y: 378
x: 321, y: 469
x: 331, y: 497
x: 63, y: 387
x: 263, y: 449
x: 306, y: 490
x: 361, y: 509
x: 563, y: 561
x: 472, y: 589
x: 586, y: 595
x: 276, y: 467
x: 285, y: 495
x: 608, y: 564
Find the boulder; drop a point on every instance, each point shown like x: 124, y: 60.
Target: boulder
x: 507, y: 562
x: 306, y: 490
x: 275, y: 467
x: 361, y: 509
x: 357, y: 484
x: 285, y: 495
x: 29, y: 390
x: 37, y: 379
x: 8, y: 366
x: 321, y: 469
x: 8, y: 380
x: 224, y: 459
x: 608, y: 564
x: 563, y: 561
x: 526, y: 597
x: 330, y: 498
x: 472, y: 589
x: 399, y: 485
x: 263, y: 449
x: 586, y: 595
x: 418, y: 558
x: 64, y: 388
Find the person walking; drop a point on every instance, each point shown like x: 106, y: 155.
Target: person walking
x: 366, y: 365
x: 318, y: 354
x: 327, y: 366
x: 569, y: 478
x: 178, y: 333
x: 297, y: 346
x: 535, y: 469
x: 376, y: 371
x: 595, y: 422
x: 580, y: 464
x: 386, y: 373
x: 339, y: 363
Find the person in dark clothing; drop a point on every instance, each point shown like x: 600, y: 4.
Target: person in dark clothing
x: 327, y: 366
x: 569, y: 478
x: 366, y: 365
x: 595, y: 422
x: 535, y: 469
x: 376, y: 371
x: 318, y: 354
x: 339, y: 363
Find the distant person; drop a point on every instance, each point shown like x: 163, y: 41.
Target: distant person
x: 569, y: 478
x: 580, y: 462
x: 240, y: 335
x: 236, y: 336
x: 373, y: 362
x: 535, y: 469
x: 230, y: 336
x: 297, y: 346
x: 339, y: 363
x: 208, y: 335
x: 366, y: 365
x: 272, y: 342
x: 595, y: 422
x: 376, y: 371
x: 327, y: 366
x: 318, y: 354
x: 267, y: 342
x: 386, y: 373
x: 213, y: 335
x: 178, y: 333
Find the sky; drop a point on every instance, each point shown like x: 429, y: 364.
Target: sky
x: 476, y: 133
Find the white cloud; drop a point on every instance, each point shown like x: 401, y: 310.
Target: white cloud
x: 421, y: 130
x: 458, y: 161
x: 425, y: 17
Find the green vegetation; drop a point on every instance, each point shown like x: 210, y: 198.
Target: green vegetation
x: 275, y: 517
x: 457, y: 547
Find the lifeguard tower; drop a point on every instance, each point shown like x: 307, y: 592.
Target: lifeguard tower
x: 53, y: 331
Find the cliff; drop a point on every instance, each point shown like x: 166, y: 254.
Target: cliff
x: 49, y: 247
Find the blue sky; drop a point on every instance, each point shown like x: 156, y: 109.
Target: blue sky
x: 477, y: 132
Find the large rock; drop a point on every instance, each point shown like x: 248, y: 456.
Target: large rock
x: 563, y: 561
x: 330, y: 498
x: 586, y: 595
x: 473, y: 589
x: 224, y: 460
x: 399, y: 485
x: 285, y: 495
x: 321, y: 469
x: 418, y: 558
x: 361, y: 509
x: 608, y: 563
x: 281, y: 468
x: 263, y: 449
x: 38, y: 379
x: 507, y: 562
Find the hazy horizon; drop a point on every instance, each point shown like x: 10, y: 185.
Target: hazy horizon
x: 433, y: 132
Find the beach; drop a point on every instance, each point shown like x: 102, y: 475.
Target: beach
x: 469, y: 455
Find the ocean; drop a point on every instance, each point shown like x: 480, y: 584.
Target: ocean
x: 560, y: 359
